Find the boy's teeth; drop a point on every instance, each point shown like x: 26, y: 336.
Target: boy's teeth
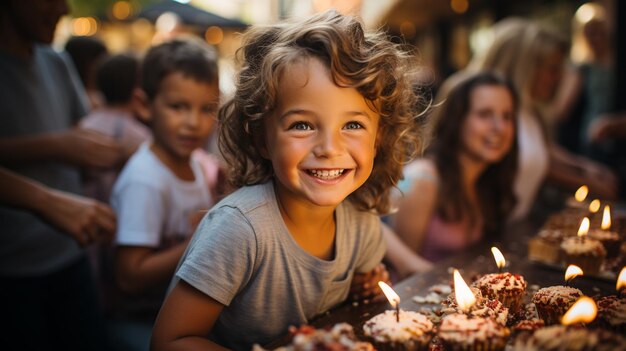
x: 326, y: 173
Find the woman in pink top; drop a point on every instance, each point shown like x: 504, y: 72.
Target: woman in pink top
x: 462, y: 191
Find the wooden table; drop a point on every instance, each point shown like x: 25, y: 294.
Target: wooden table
x: 477, y: 260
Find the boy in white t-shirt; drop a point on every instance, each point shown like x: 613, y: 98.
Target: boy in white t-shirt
x: 167, y: 185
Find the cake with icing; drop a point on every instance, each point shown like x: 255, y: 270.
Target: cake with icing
x: 460, y: 332
x: 586, y: 253
x: 552, y: 302
x: 412, y: 331
x: 570, y: 338
x: 505, y: 287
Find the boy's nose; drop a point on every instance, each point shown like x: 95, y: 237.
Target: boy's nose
x: 193, y: 118
x: 329, y: 144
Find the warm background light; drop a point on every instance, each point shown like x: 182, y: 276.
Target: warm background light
x: 459, y: 6
x: 581, y: 193
x: 464, y: 296
x: 594, y: 206
x: 583, y: 311
x: 621, y: 280
x: 606, y: 218
x: 84, y: 26
x: 584, y: 227
x: 497, y: 255
x: 121, y: 10
x: 214, y: 35
x: 572, y: 272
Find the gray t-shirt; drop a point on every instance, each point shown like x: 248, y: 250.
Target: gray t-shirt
x: 40, y: 95
x: 243, y: 256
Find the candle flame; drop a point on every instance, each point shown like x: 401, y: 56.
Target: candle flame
x: 606, y: 218
x: 584, y: 227
x: 497, y: 255
x: 581, y: 193
x: 583, y: 311
x: 391, y: 295
x: 621, y: 279
x: 464, y: 296
x: 572, y: 272
x: 594, y: 206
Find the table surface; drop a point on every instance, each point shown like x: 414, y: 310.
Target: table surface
x: 475, y: 261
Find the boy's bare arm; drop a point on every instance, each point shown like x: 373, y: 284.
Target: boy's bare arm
x: 186, y: 317
x: 139, y: 268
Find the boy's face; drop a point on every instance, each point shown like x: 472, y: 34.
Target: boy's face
x: 183, y: 114
x: 321, y: 139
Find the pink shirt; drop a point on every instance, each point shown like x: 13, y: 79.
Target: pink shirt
x: 444, y: 239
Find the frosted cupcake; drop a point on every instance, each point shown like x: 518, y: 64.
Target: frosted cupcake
x: 564, y: 338
x: 552, y: 302
x: 546, y: 246
x: 612, y: 313
x: 586, y: 253
x: 338, y: 338
x: 505, y: 287
x: 484, y: 307
x: 609, y: 239
x: 460, y: 332
x: 412, y: 332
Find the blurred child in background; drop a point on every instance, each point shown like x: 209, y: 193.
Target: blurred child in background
x: 163, y: 190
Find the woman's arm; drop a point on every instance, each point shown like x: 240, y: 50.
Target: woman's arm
x: 571, y: 171
x: 84, y: 219
x: 401, y: 257
x: 417, y: 206
x: 139, y: 268
x: 186, y: 318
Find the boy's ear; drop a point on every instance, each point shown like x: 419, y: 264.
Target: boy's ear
x: 141, y: 105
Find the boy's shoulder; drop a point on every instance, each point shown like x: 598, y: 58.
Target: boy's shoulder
x: 250, y: 198
x: 143, y: 166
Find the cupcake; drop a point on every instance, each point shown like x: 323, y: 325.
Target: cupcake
x: 412, y: 332
x: 612, y: 313
x: 505, y: 287
x: 338, y: 338
x: 484, y: 307
x: 552, y: 302
x: 570, y: 338
x: 546, y: 246
x: 460, y: 332
x: 609, y: 239
x: 586, y: 253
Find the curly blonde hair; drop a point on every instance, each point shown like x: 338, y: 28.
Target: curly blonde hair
x: 368, y: 62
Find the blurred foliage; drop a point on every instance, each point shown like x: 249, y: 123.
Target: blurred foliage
x: 101, y: 7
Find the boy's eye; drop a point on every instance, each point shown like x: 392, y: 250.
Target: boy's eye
x: 209, y: 109
x: 300, y: 126
x: 353, y: 125
x: 176, y: 106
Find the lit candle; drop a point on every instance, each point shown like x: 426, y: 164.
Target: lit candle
x: 584, y: 229
x: 572, y: 272
x: 500, y: 261
x: 393, y: 298
x: 606, y: 218
x: 464, y: 296
x: 620, y: 285
x: 594, y: 206
x: 581, y: 194
x: 584, y: 310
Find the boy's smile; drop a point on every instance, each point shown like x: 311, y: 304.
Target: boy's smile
x: 321, y: 138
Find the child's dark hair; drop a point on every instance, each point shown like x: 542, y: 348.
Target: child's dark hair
x: 85, y: 53
x: 116, y: 78
x: 495, y: 185
x: 368, y: 62
x: 193, y: 58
